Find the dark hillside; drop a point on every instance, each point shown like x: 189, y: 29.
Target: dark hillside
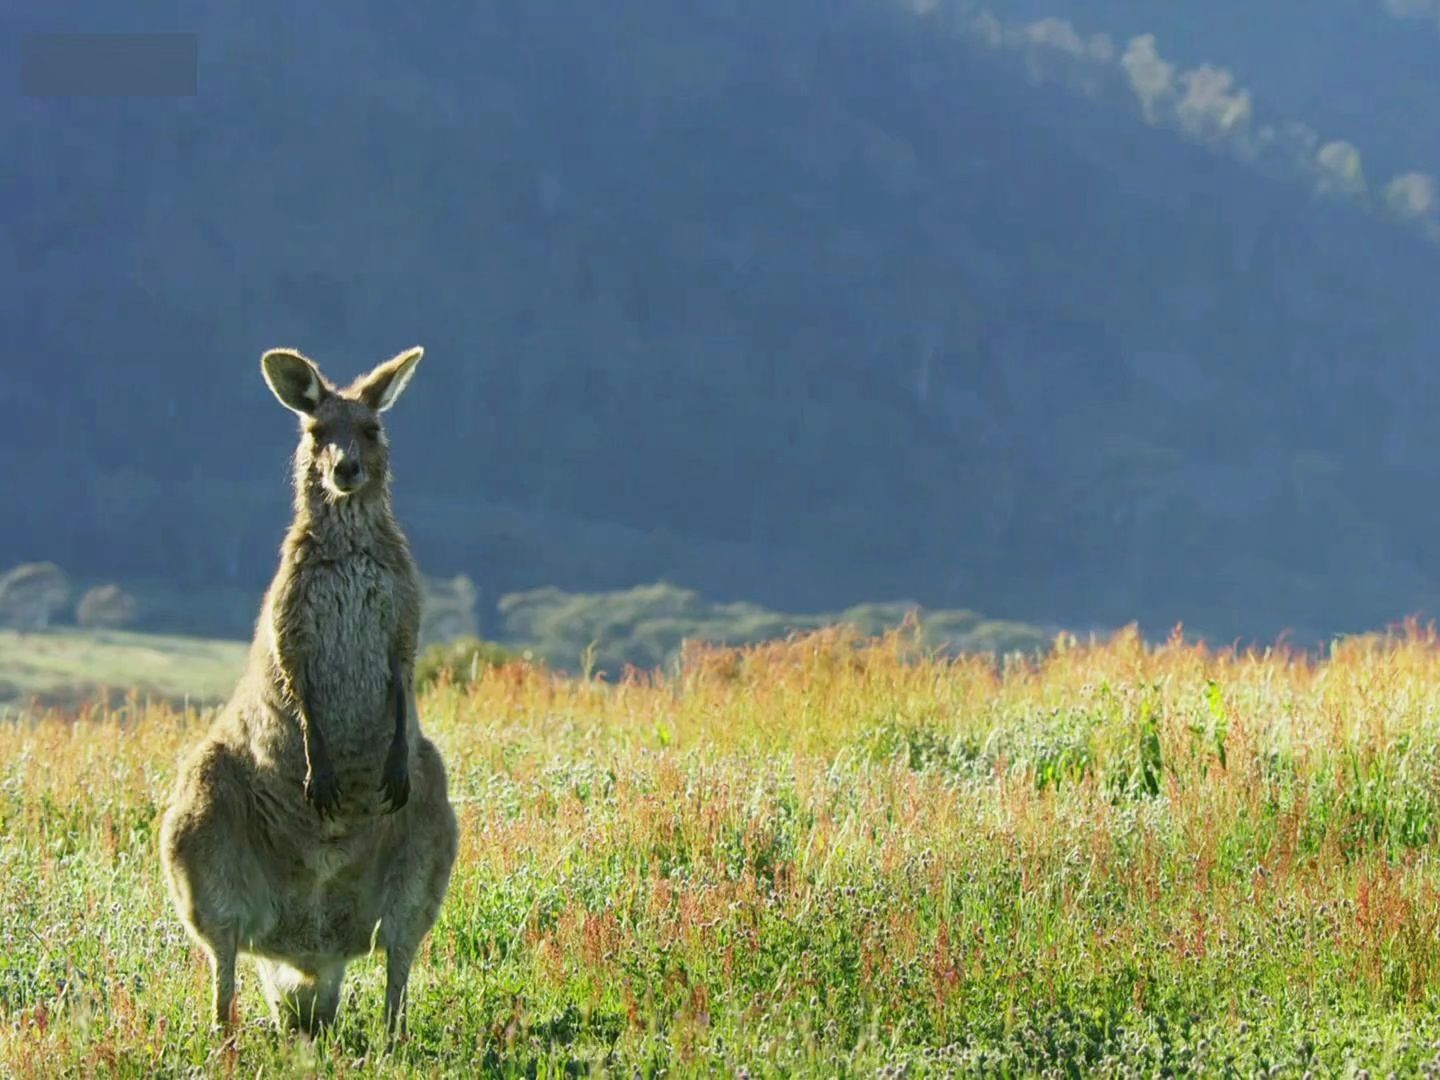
x: 799, y: 302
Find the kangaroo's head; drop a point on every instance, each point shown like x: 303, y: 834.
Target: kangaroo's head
x: 343, y: 452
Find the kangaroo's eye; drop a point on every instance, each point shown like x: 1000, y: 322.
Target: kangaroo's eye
x: 372, y: 431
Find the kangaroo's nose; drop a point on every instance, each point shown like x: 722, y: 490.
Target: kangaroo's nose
x: 347, y: 471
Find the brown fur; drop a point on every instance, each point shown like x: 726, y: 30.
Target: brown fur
x: 314, y: 817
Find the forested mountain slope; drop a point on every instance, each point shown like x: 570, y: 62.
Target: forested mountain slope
x: 803, y: 302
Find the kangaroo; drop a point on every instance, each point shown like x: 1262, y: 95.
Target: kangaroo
x: 314, y: 818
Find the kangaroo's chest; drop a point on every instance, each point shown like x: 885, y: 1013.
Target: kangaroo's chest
x: 352, y: 606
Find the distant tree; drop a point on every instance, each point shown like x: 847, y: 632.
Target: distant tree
x: 462, y: 659
x: 31, y: 594
x: 449, y: 610
x: 105, y: 607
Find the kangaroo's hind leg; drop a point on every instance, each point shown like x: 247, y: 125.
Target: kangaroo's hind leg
x: 416, y: 878
x: 205, y: 866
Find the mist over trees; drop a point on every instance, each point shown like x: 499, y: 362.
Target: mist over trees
x: 802, y: 303
x: 1361, y: 70
x: 1414, y: 9
x: 1207, y: 104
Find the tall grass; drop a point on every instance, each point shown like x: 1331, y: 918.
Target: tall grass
x: 818, y: 857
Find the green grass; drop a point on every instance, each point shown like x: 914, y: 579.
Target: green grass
x: 816, y: 859
x: 67, y: 665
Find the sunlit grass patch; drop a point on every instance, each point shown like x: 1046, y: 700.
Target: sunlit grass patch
x: 823, y: 856
x: 71, y: 667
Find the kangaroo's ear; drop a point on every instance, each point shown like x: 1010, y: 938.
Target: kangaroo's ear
x: 382, y: 387
x: 293, y: 379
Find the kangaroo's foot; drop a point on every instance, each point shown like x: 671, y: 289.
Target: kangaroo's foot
x: 224, y: 1012
x: 397, y: 997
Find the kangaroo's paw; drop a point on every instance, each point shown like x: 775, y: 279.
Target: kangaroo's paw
x: 322, y: 790
x: 395, y: 778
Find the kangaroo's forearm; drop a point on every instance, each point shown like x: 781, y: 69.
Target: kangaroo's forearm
x: 322, y: 789
x: 395, y: 776
x: 397, y: 683
x: 316, y: 750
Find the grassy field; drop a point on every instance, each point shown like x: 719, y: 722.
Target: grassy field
x: 67, y: 665
x: 817, y: 858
